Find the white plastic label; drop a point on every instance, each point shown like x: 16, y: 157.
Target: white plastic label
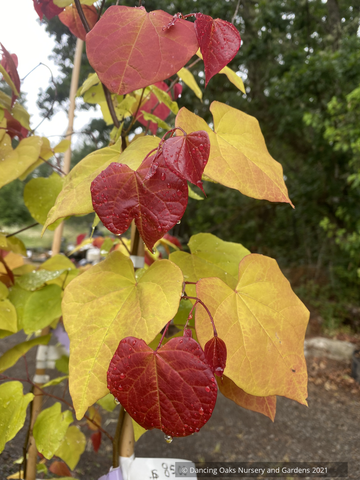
x: 157, y: 469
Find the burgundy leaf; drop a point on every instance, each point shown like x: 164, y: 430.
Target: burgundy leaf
x: 215, y: 353
x: 120, y: 194
x: 60, y: 468
x: 96, y: 440
x: 187, y: 155
x: 47, y: 8
x: 14, y: 127
x: 71, y: 19
x: 129, y: 49
x: 219, y: 42
x: 10, y: 63
x: 172, y: 389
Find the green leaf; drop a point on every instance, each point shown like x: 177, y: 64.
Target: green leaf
x: 34, y: 280
x: 75, y: 197
x: 210, y: 257
x: 153, y: 118
x: 107, y: 402
x: 15, y: 162
x: 193, y: 194
x: 8, y: 317
x: 13, y: 405
x: 40, y: 195
x: 12, y: 244
x: 57, y: 262
x: 62, y: 364
x: 11, y: 356
x: 41, y: 308
x: 55, y: 381
x: 164, y: 97
x: 21, y: 115
x: 50, y: 429
x: 72, y: 446
x: 188, y: 78
x: 106, y: 304
x: 19, y: 297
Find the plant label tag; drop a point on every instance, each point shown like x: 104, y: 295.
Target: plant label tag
x: 160, y: 469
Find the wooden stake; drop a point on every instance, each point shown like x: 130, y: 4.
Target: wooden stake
x: 37, y: 402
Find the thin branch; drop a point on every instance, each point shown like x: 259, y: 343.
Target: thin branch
x: 51, y: 109
x: 101, y: 9
x: 53, y: 166
x: 8, y: 271
x: 111, y: 106
x: 236, y: 12
x: 82, y: 16
x: 22, y: 230
x: 124, y: 244
x: 163, y: 335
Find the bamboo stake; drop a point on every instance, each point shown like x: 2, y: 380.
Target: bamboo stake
x: 56, y: 245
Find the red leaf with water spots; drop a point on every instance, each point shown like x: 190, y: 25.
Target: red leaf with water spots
x: 172, y: 389
x: 120, y: 194
x: 129, y: 49
x: 215, y: 354
x: 187, y: 155
x: 10, y: 64
x: 14, y: 127
x: 71, y: 19
x: 96, y: 440
x: 219, y: 42
x: 60, y: 468
x: 47, y: 8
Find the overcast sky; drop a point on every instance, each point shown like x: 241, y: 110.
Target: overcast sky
x: 21, y: 33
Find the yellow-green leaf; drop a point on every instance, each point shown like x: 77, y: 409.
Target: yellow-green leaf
x: 4, y: 292
x: 50, y: 429
x: 153, y: 118
x: 55, y: 381
x: 107, y: 402
x: 41, y: 308
x: 18, y: 297
x: 233, y: 78
x: 40, y: 195
x: 193, y: 194
x: 12, y: 244
x: 8, y: 318
x: 62, y: 146
x: 106, y: 304
x: 188, y: 78
x: 164, y: 98
x: 263, y: 324
x: 11, y: 356
x: 138, y: 430
x: 210, y: 257
x: 92, y: 80
x: 57, y: 262
x: 34, y: 280
x: 238, y: 156
x: 21, y: 115
x: 8, y: 80
x: 75, y: 197
x: 15, y: 162
x: 71, y: 447
x: 13, y: 405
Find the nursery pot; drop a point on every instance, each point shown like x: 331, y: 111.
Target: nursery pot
x: 355, y: 365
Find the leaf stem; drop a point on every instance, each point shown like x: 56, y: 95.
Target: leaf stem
x: 101, y: 9
x: 8, y: 271
x: 53, y: 166
x: 163, y: 335
x: 82, y: 16
x: 206, y: 308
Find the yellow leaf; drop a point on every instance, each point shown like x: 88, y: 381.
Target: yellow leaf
x: 15, y: 162
x: 75, y: 197
x: 72, y: 446
x: 138, y: 430
x: 238, y: 156
x: 263, y: 324
x: 8, y: 80
x: 106, y: 304
x: 233, y: 78
x: 188, y: 78
x: 12, y: 260
x: 92, y: 80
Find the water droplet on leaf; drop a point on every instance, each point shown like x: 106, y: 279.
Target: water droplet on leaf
x: 168, y: 438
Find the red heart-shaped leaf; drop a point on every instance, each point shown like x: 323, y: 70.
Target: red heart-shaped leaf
x: 215, y: 354
x: 172, y: 389
x: 71, y: 19
x: 187, y: 155
x: 120, y: 194
x: 129, y: 49
x: 96, y: 440
x: 10, y: 63
x: 47, y: 8
x: 219, y: 42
